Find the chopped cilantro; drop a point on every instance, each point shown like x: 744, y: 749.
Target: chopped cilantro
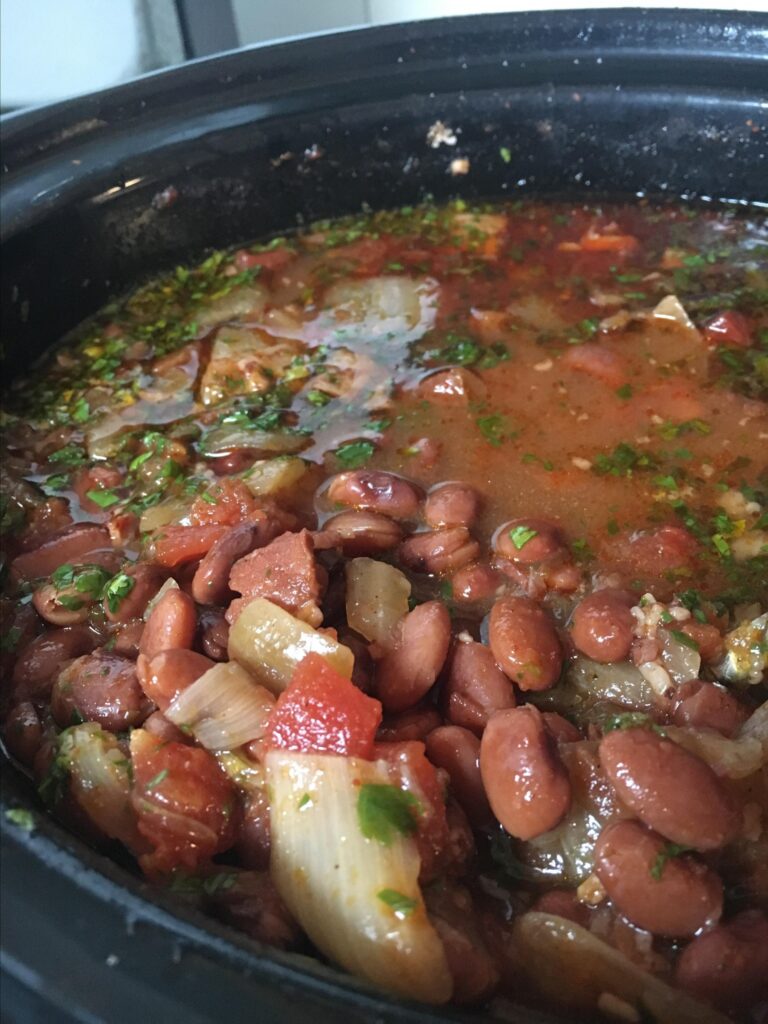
x: 118, y: 588
x: 520, y: 536
x: 630, y: 720
x: 157, y: 779
x: 494, y: 428
x: 355, y: 453
x: 383, y: 811
x: 684, y: 639
x: 104, y: 499
x: 669, y: 851
x: 721, y: 545
x: 625, y: 391
x: 69, y: 455
x: 402, y: 905
x: 623, y: 461
x: 505, y: 154
x: 22, y: 818
x: 318, y: 398
x: 81, y: 411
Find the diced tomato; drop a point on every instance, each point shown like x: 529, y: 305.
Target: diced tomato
x: 272, y: 260
x: 593, y: 242
x: 322, y: 712
x: 227, y: 502
x: 729, y: 328
x: 175, y: 545
x: 185, y: 804
x: 411, y: 770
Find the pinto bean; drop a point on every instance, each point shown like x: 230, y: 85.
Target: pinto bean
x: 475, y: 687
x: 603, y: 625
x: 526, y: 782
x: 708, y: 706
x: 42, y: 658
x: 669, y: 789
x: 561, y: 730
x: 210, y: 584
x: 474, y: 973
x: 528, y: 541
x: 147, y: 580
x: 419, y: 648
x: 214, y: 633
x: 127, y: 638
x: 100, y: 687
x: 359, y: 533
x: 524, y: 642
x: 46, y: 600
x: 23, y: 733
x: 439, y: 551
x: 375, y: 491
x: 477, y: 582
x: 728, y: 966
x: 159, y: 726
x: 451, y: 504
x: 171, y: 624
x: 665, y: 894
x: 457, y: 751
x: 73, y: 544
x: 415, y: 724
x: 166, y: 675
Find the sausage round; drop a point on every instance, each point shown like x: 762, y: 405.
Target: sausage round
x: 655, y: 888
x: 526, y: 782
x: 524, y: 642
x: 668, y: 788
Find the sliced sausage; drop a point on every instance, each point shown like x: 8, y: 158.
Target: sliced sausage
x: 728, y: 966
x: 669, y: 789
x: 655, y: 887
x: 603, y: 625
x: 524, y: 642
x: 419, y: 649
x: 526, y: 782
x: 171, y: 624
x: 475, y: 687
x: 375, y: 491
x: 439, y: 551
x: 451, y: 504
x: 100, y: 687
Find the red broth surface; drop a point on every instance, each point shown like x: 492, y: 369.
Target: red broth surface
x: 504, y: 467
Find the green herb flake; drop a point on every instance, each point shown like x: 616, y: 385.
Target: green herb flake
x: 721, y: 545
x: 81, y: 411
x: 383, y: 811
x: 625, y: 391
x: 155, y: 782
x: 506, y: 154
x: 494, y: 429
x: 104, y: 499
x: 318, y: 398
x: 631, y: 720
x: 403, y: 906
x: 118, y: 588
x: 306, y: 799
x: 354, y: 454
x: 670, y: 851
x: 684, y: 639
x: 69, y: 455
x: 21, y: 818
x: 520, y: 535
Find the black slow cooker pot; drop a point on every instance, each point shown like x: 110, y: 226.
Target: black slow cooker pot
x: 102, y: 192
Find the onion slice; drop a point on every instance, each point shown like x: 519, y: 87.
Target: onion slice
x: 223, y: 709
x: 270, y: 642
x: 377, y: 598
x: 357, y: 899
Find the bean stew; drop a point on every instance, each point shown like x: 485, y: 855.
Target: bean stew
x: 397, y: 591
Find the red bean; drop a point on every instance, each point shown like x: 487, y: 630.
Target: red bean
x: 669, y: 789
x: 524, y: 642
x: 358, y: 533
x: 526, y: 782
x: 166, y: 675
x: 728, y: 966
x: 561, y: 730
x: 127, y: 638
x: 147, y: 580
x: 563, y: 903
x: 171, y: 624
x: 23, y: 733
x: 47, y: 602
x: 439, y: 551
x: 159, y: 726
x: 474, y: 973
x: 708, y: 706
x: 603, y: 625
x: 411, y: 666
x: 451, y: 504
x: 477, y: 582
x: 100, y: 687
x: 254, y: 839
x: 415, y: 724
x: 41, y: 660
x: 252, y: 905
x: 475, y: 687
x: 96, y: 478
x: 214, y: 633
x: 457, y: 751
x: 375, y: 491
x: 528, y: 541
x: 666, y: 894
x: 210, y: 584
x: 73, y: 545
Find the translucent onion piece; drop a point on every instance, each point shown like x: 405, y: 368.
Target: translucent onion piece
x: 244, y: 301
x: 404, y: 307
x: 377, y: 596
x: 230, y: 437
x: 174, y: 510
x: 671, y: 308
x: 223, y: 709
x: 100, y: 779
x: 268, y: 476
x: 331, y: 877
x: 734, y: 759
x: 589, y: 684
x: 569, y: 965
x: 270, y: 642
x: 681, y: 662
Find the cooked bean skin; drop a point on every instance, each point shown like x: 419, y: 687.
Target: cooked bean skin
x: 457, y: 751
x: 419, y: 649
x: 476, y: 582
x: 359, y: 533
x: 673, y: 896
x: 439, y: 551
x: 451, y: 504
x: 166, y: 675
x: 147, y: 580
x: 46, y: 601
x: 708, y: 706
x: 528, y: 541
x: 214, y: 633
x: 524, y: 642
x: 210, y: 584
x: 42, y: 658
x: 526, y: 782
x: 171, y: 624
x: 415, y: 724
x: 728, y: 966
x: 669, y: 789
x: 561, y: 730
x: 375, y: 491
x: 100, y: 687
x: 475, y: 687
x: 563, y: 903
x: 603, y: 625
